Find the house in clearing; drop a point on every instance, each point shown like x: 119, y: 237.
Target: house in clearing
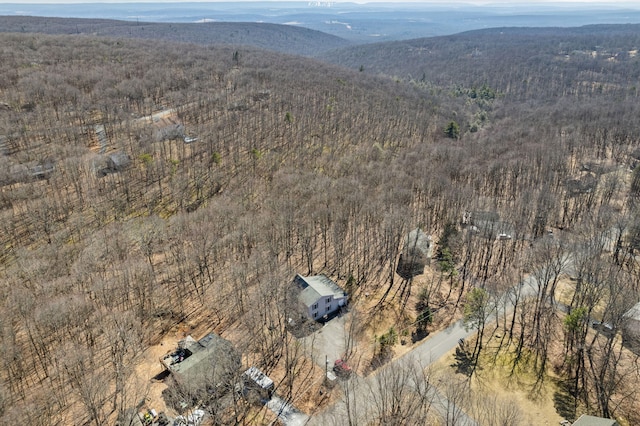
x: 416, y: 254
x: 208, y: 363
x: 320, y: 296
x: 112, y: 163
x: 167, y: 127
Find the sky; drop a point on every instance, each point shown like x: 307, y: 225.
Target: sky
x: 519, y: 2
x: 608, y: 4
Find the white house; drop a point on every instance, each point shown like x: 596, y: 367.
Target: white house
x: 320, y: 296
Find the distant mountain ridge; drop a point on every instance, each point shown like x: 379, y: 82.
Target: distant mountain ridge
x: 363, y: 22
x: 281, y: 38
x: 504, y: 58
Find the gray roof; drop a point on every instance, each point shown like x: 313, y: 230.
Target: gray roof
x: 119, y: 160
x: 417, y: 240
x: 585, y: 420
x: 484, y: 216
x: 212, y: 357
x: 316, y: 287
x: 416, y: 254
x: 112, y: 163
x: 259, y: 377
x: 633, y: 313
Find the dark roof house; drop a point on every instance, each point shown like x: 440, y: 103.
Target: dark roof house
x: 416, y: 254
x: 167, y: 127
x: 583, y: 185
x: 112, y: 163
x: 204, y: 364
x: 118, y: 161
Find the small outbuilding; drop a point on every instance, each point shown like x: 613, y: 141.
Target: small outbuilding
x: 320, y: 296
x: 258, y: 384
x: 112, y: 163
x: 416, y: 254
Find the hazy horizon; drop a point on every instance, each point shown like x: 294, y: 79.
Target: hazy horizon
x: 608, y: 3
x: 361, y: 22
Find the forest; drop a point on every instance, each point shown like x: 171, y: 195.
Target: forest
x: 149, y: 186
x: 281, y: 38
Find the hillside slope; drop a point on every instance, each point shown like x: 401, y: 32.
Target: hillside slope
x: 280, y: 38
x: 524, y: 62
x: 149, y: 188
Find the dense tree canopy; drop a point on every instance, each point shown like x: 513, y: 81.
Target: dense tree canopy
x: 143, y: 183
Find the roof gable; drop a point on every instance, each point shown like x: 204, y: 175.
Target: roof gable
x: 634, y: 312
x: 210, y: 358
x: 316, y: 287
x: 585, y: 420
x: 418, y: 241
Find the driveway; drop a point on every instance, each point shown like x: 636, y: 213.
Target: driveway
x: 427, y: 352
x: 328, y: 343
x: 287, y: 413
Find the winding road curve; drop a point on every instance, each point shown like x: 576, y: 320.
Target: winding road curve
x: 426, y: 353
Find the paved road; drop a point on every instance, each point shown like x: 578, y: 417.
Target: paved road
x: 362, y: 389
x: 287, y: 413
x: 427, y: 353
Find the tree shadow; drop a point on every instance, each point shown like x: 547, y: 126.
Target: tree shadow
x: 379, y: 359
x: 463, y: 364
x: 161, y: 376
x: 418, y: 335
x: 564, y: 400
x: 301, y: 326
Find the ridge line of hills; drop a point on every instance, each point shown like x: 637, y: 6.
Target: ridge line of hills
x: 281, y: 38
x: 289, y: 38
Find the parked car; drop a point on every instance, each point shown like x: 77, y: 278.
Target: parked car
x: 603, y: 327
x: 341, y: 368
